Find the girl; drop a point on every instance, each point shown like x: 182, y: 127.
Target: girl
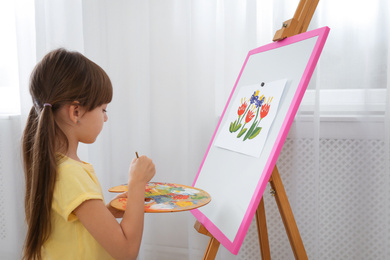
x: 65, y: 211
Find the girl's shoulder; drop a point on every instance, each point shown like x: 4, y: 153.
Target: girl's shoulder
x: 69, y: 167
x: 72, y: 171
x: 65, y: 161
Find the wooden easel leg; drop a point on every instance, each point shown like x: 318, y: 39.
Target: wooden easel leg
x: 212, y: 249
x: 287, y: 216
x: 213, y: 245
x: 262, y: 231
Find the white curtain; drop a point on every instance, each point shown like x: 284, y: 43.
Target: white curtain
x: 173, y: 65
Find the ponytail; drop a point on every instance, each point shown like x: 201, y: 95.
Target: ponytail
x: 40, y: 175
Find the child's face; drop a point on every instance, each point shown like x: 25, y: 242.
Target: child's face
x: 91, y: 124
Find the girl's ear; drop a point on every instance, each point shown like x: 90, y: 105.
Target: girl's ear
x: 74, y: 112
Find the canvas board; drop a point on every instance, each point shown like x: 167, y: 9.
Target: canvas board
x: 235, y: 176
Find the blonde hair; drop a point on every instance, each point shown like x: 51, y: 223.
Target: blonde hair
x: 62, y: 77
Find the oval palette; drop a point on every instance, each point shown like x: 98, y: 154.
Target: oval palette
x: 166, y: 197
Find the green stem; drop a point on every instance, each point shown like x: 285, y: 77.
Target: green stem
x: 242, y: 128
x: 258, y: 123
x: 238, y: 120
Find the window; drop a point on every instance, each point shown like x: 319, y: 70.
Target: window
x: 9, y: 77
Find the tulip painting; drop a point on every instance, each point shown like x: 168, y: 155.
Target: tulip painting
x: 255, y: 129
x: 265, y: 108
x: 247, y: 112
x: 242, y: 110
x: 248, y: 118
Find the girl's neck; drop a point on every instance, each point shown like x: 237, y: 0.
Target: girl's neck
x: 71, y: 152
x: 73, y: 156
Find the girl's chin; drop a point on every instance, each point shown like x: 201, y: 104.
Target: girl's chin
x: 88, y: 141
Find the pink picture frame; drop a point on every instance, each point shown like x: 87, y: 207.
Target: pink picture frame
x: 237, y: 182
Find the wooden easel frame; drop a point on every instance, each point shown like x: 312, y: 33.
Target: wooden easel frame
x: 298, y: 24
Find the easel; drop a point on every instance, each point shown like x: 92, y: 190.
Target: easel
x: 298, y: 24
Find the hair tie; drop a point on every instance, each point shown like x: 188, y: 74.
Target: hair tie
x: 47, y: 104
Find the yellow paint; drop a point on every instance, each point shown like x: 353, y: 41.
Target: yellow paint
x: 184, y: 203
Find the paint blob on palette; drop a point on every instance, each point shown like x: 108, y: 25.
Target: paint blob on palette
x: 166, y: 197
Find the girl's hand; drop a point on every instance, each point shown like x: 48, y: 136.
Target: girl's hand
x: 116, y: 212
x: 141, y: 170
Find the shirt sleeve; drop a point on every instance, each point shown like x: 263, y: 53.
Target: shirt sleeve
x: 74, y: 185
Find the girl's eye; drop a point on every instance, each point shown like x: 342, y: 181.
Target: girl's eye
x: 104, y: 110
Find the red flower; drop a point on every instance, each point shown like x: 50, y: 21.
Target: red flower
x: 249, y: 116
x: 242, y: 108
x: 264, y: 110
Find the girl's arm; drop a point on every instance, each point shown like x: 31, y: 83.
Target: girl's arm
x: 121, y: 241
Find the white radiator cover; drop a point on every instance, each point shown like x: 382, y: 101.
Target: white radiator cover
x: 342, y: 212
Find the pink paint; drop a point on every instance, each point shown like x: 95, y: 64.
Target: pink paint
x: 234, y: 246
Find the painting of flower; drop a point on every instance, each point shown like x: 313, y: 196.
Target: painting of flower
x: 250, y: 117
x: 234, y: 126
x: 255, y: 106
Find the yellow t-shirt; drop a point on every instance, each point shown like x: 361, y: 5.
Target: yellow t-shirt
x: 76, y: 182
